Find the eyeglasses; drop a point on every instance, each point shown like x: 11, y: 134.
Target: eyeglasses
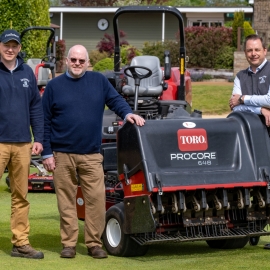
x: 74, y: 61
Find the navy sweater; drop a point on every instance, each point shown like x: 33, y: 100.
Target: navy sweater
x: 73, y: 112
x: 20, y: 105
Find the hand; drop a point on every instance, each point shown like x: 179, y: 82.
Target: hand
x: 49, y: 164
x: 266, y: 113
x: 234, y: 101
x: 37, y: 148
x: 135, y: 118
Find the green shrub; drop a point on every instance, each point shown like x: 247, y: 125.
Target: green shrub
x: 248, y: 30
x: 238, y: 21
x: 203, y: 45
x: 103, y: 65
x: 107, y: 43
x: 21, y: 14
x: 205, y: 48
x: 207, y: 77
x: 158, y: 49
x: 128, y: 52
x: 228, y: 24
x: 224, y: 58
x: 95, y: 56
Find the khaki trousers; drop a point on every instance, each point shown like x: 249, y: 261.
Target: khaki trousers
x: 88, y: 169
x: 17, y: 156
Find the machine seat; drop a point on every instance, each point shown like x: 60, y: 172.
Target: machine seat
x: 151, y: 86
x: 43, y: 73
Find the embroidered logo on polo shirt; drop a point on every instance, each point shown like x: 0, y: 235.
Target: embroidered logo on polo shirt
x: 25, y: 82
x: 262, y: 79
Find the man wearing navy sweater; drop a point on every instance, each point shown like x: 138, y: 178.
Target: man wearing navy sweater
x: 20, y: 108
x: 73, y: 105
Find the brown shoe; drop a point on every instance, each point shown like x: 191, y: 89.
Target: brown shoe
x: 97, y: 252
x: 68, y: 252
x: 26, y: 251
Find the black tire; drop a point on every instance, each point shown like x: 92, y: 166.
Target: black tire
x: 8, y: 182
x: 228, y: 243
x: 115, y: 241
x: 253, y: 241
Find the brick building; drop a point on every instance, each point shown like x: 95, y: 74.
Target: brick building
x: 261, y: 24
x: 261, y: 19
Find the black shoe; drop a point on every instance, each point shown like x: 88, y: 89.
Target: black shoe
x: 97, y: 252
x: 267, y: 246
x: 68, y: 252
x: 26, y: 251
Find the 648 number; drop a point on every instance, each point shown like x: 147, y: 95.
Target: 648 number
x: 204, y: 162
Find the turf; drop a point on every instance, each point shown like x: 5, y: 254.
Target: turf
x: 211, y: 98
x: 44, y: 236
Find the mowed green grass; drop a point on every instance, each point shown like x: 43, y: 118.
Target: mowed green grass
x: 211, y: 97
x: 44, y: 220
x: 44, y: 236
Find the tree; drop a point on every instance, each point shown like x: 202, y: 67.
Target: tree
x: 238, y: 21
x: 248, y: 30
x: 107, y: 43
x: 20, y: 14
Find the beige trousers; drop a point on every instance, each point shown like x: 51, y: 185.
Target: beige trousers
x: 17, y: 156
x: 88, y: 169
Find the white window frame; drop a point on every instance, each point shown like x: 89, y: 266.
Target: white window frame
x: 206, y: 18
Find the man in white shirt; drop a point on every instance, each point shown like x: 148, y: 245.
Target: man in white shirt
x: 251, y: 91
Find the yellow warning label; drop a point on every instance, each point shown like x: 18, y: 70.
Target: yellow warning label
x: 136, y: 187
x: 182, y: 67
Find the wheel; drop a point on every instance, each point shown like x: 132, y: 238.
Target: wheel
x: 115, y: 241
x: 228, y: 243
x: 253, y: 241
x: 8, y: 182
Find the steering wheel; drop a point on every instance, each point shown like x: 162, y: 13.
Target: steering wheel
x: 136, y: 75
x: 48, y: 58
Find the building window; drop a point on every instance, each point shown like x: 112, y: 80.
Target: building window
x: 215, y: 24
x: 206, y: 24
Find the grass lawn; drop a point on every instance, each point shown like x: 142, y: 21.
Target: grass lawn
x: 211, y: 98
x: 45, y: 237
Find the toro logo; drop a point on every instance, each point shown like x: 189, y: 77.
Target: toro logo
x: 192, y: 139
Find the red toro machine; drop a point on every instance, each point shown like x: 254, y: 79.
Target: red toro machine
x: 179, y: 177
x: 41, y: 180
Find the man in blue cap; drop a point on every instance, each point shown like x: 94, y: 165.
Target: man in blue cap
x: 20, y: 109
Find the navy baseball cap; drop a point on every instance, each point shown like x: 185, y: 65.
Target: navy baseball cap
x: 10, y: 34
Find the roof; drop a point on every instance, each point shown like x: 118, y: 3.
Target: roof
x: 181, y: 9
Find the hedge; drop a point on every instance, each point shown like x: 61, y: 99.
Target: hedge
x: 21, y: 14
